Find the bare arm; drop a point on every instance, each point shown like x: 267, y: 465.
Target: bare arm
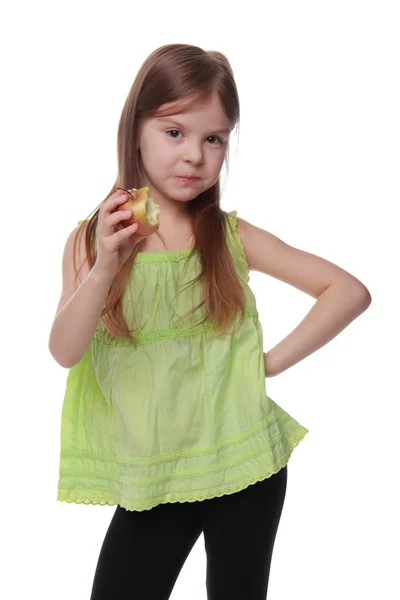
x: 341, y: 297
x: 79, y: 310
x: 334, y: 309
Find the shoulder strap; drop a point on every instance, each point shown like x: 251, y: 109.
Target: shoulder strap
x: 233, y: 239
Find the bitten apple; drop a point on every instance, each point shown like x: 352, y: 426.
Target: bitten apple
x: 144, y: 211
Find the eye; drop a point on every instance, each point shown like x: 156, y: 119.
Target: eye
x: 215, y: 138
x: 172, y: 133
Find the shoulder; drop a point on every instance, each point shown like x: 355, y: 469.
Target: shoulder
x: 269, y: 254
x: 257, y: 243
x: 75, y: 245
x: 75, y: 252
x: 77, y: 236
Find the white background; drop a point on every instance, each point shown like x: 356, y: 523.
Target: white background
x: 317, y: 164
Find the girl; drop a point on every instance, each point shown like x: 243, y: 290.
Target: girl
x: 165, y: 414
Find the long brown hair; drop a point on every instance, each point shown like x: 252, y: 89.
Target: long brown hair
x: 172, y: 74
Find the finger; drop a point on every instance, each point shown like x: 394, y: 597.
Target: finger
x: 116, y: 217
x: 113, y: 202
x: 118, y: 238
x: 126, y: 232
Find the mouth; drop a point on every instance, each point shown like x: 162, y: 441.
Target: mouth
x: 188, y: 178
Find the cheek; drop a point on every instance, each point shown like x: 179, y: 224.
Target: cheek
x: 158, y: 153
x: 217, y: 160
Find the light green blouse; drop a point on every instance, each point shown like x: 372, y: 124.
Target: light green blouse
x: 178, y: 415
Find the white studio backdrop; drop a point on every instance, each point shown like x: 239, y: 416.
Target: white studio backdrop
x: 316, y: 163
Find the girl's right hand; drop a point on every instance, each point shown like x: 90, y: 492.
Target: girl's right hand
x: 114, y: 246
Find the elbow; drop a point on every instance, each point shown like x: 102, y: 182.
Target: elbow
x: 63, y: 361
x: 365, y: 297
x: 362, y: 297
x: 356, y: 291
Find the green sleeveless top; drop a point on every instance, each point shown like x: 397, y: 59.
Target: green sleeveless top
x: 178, y: 415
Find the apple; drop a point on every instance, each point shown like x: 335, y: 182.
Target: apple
x: 144, y: 211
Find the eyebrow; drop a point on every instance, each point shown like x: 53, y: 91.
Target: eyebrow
x: 167, y: 119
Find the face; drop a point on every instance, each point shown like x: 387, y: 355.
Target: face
x: 182, y: 154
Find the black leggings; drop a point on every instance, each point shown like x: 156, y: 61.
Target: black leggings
x: 144, y: 552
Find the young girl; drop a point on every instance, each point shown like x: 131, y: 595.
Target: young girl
x: 165, y: 414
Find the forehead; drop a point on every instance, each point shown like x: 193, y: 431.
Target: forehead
x: 196, y: 107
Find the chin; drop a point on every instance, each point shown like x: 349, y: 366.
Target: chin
x: 183, y: 199
x: 183, y: 195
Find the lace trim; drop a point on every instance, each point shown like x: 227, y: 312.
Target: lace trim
x: 157, y: 335
x: 75, y: 497
x: 166, y: 256
x: 145, y: 481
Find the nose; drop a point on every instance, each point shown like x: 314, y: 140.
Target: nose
x: 193, y: 153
